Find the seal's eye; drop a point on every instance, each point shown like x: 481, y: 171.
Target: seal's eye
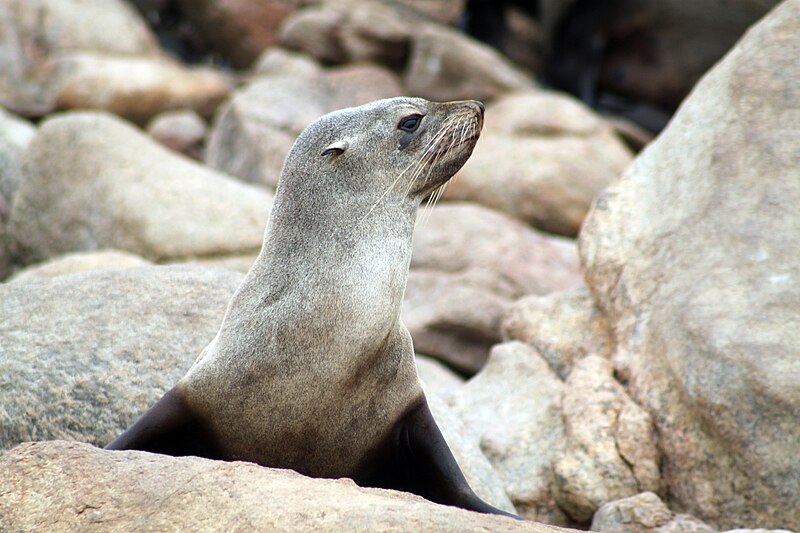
x: 410, y: 123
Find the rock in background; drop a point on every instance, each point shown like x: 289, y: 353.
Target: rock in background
x: 693, y: 258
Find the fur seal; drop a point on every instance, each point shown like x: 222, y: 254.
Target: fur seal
x: 312, y: 368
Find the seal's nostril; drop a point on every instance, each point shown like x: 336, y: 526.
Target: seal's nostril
x: 480, y: 105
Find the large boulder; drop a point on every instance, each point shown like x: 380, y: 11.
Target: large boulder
x: 33, y: 32
x: 79, y: 262
x: 693, y: 256
x: 92, y: 181
x: 469, y: 263
x: 644, y: 513
x: 543, y: 157
x: 85, y: 354
x: 512, y: 407
x: 255, y: 129
x: 70, y: 486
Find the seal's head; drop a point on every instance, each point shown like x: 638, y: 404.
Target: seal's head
x: 399, y: 147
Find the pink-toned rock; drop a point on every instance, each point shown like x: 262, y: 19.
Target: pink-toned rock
x: 76, y: 487
x: 692, y: 255
x: 180, y: 130
x: 543, y: 157
x: 611, y: 450
x: 644, y: 513
x: 80, y: 262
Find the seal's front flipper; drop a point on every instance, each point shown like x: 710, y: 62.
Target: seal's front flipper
x: 422, y: 463
x: 169, y: 427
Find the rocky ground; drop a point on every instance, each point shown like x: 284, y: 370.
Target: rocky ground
x: 608, y: 339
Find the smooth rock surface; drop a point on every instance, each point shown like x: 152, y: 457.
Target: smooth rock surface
x: 438, y: 378
x: 469, y: 263
x: 34, y: 32
x: 68, y: 486
x: 543, y: 157
x: 85, y: 354
x: 611, y: 449
x: 79, y: 262
x: 693, y: 257
x: 644, y: 513
x: 513, y: 408
x: 563, y: 327
x: 92, y: 181
x: 134, y: 87
x: 255, y: 129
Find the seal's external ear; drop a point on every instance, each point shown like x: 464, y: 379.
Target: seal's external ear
x: 336, y: 148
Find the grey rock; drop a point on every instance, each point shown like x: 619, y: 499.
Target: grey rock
x: 91, y: 181
x: 692, y: 255
x: 181, y: 130
x: 69, y: 486
x: 513, y: 408
x: 438, y: 378
x: 85, y: 354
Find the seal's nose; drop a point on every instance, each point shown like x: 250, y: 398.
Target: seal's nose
x: 480, y: 105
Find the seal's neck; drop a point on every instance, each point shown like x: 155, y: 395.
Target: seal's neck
x: 347, y: 271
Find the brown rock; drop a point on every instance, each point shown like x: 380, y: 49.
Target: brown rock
x: 255, y: 130
x: 543, y: 157
x: 644, y: 513
x: 610, y: 452
x: 137, y: 88
x: 92, y: 181
x: 80, y: 262
x: 238, y: 29
x: 513, y: 408
x: 692, y: 256
x: 73, y: 486
x: 563, y: 326
x: 468, y: 264
x: 33, y: 32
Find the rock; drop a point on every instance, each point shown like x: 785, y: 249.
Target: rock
x: 468, y: 265
x: 542, y: 157
x: 34, y: 32
x: 238, y: 29
x: 80, y: 262
x: 276, y: 60
x: 91, y: 181
x: 445, y: 65
x: 611, y: 451
x: 563, y: 327
x: 442, y: 11
x: 240, y: 263
x: 85, y: 354
x: 438, y: 63
x: 476, y: 467
x: 439, y: 379
x: 181, y: 130
x: 255, y: 129
x: 513, y: 408
x: 692, y: 255
x: 644, y: 513
x: 137, y: 88
x: 15, y: 134
x: 73, y: 486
